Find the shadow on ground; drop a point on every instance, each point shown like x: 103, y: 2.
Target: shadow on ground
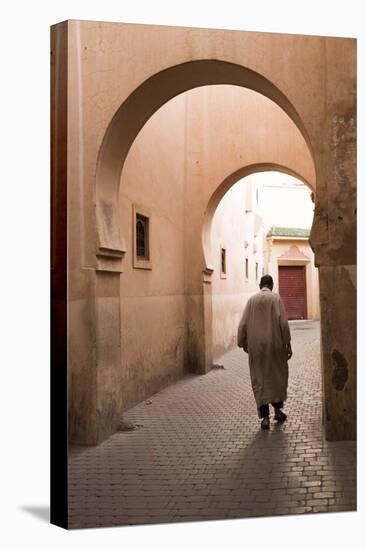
x: 40, y: 512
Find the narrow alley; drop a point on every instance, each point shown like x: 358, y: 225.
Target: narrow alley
x: 197, y: 452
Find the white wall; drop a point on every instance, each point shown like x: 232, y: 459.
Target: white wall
x: 235, y: 227
x: 283, y: 200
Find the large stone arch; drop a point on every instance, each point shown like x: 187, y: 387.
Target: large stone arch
x: 212, y: 205
x: 138, y: 108
x: 226, y: 184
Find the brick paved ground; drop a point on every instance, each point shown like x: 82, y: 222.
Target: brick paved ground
x: 200, y: 453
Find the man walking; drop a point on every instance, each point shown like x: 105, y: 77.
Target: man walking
x: 264, y: 334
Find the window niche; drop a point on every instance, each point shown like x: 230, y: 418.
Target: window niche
x: 141, y: 220
x: 222, y: 262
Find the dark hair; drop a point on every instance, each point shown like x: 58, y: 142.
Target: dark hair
x: 266, y: 280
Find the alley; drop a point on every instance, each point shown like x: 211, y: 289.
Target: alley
x: 198, y: 452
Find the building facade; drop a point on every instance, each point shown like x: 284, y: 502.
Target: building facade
x: 290, y: 261
x: 287, y: 211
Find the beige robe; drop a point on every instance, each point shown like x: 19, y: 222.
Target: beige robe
x: 264, y: 331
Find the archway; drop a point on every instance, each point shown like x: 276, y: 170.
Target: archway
x: 225, y: 185
x: 212, y: 205
x: 246, y: 223
x: 133, y: 114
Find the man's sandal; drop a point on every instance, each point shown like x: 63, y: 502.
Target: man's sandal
x: 265, y: 423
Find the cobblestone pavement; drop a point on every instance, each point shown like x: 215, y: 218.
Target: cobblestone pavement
x: 200, y: 454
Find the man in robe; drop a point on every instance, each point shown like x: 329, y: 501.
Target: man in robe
x: 264, y: 334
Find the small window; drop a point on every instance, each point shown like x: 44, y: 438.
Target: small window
x: 256, y: 271
x: 223, y: 263
x: 142, y: 235
x: 141, y: 238
x: 246, y: 268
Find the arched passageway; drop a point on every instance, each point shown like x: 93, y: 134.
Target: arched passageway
x: 228, y: 182
x: 261, y: 226
x: 139, y: 107
x: 209, y: 110
x: 121, y: 96
x: 159, y: 177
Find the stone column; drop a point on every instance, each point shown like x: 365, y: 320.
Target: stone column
x: 109, y: 380
x: 199, y: 326
x: 333, y: 238
x: 338, y: 317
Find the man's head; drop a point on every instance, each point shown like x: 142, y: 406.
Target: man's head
x: 266, y: 282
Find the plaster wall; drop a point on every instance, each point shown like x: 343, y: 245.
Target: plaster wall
x: 283, y: 203
x: 239, y: 231
x: 153, y: 306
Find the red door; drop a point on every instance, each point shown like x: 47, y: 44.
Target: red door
x: 292, y: 286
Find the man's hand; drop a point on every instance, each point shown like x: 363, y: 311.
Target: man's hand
x: 288, y: 351
x: 245, y: 347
